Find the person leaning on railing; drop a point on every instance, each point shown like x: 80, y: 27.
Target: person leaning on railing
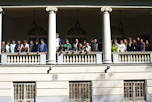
x: 115, y: 46
x: 12, y: 46
x: 24, y: 47
x: 67, y: 46
x: 42, y: 47
x: 18, y: 46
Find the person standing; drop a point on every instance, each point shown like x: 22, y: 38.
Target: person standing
x: 94, y: 45
x: 18, y: 46
x: 67, y: 45
x: 76, y: 45
x: 7, y: 47
x: 31, y: 46
x: 142, y: 45
x: 57, y: 42
x: 88, y: 48
x: 122, y: 46
x: 138, y: 47
x: 3, y: 46
x: 42, y: 47
x: 25, y: 47
x: 115, y: 46
x: 35, y: 47
x: 147, y: 46
x: 12, y: 46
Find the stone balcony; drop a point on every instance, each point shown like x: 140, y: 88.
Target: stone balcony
x: 77, y: 58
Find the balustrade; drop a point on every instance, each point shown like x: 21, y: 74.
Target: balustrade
x: 31, y: 58
x: 77, y: 58
x: 132, y: 57
x: 80, y: 58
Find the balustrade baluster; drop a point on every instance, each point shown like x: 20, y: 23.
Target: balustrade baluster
x: 70, y: 59
x: 8, y: 59
x: 137, y: 58
x: 36, y: 59
x: 134, y: 59
x: 125, y: 59
x: 95, y: 58
x: 142, y: 58
x: 67, y: 59
x: 32, y: 59
x: 119, y: 58
x: 64, y: 58
x: 15, y: 58
x: 148, y: 58
x: 83, y: 58
x: 145, y: 57
x: 129, y: 58
x: 92, y: 59
x: 76, y: 59
x: 11, y: 61
x: 122, y: 58
x: 88, y: 58
x: 26, y: 59
x: 80, y: 59
x: 20, y: 59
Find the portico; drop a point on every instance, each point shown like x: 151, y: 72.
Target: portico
x: 52, y: 22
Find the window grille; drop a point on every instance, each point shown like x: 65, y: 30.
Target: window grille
x: 24, y: 92
x: 80, y: 91
x: 134, y: 90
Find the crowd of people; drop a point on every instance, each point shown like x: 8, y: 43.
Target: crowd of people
x: 122, y: 45
x: 41, y: 46
x: 18, y: 46
x: 77, y: 46
x: 125, y: 45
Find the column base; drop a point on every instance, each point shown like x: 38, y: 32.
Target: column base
x: 107, y: 61
x: 51, y: 62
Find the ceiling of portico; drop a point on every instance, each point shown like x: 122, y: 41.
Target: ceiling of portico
x: 71, y: 12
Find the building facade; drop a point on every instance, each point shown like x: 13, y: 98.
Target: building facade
x: 94, y: 77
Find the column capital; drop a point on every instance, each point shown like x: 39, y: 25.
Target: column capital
x: 106, y: 9
x: 49, y: 9
x: 1, y: 10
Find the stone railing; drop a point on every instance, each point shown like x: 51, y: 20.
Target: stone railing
x: 77, y: 58
x: 132, y: 57
x: 80, y: 58
x: 23, y: 58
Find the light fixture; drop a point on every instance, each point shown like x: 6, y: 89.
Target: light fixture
x: 36, y: 31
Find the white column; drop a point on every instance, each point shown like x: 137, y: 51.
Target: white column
x: 106, y: 47
x: 1, y: 10
x: 52, y: 35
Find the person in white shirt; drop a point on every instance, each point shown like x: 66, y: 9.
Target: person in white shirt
x: 12, y: 46
x: 88, y: 47
x: 122, y: 46
x: 7, y: 47
x: 57, y: 42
